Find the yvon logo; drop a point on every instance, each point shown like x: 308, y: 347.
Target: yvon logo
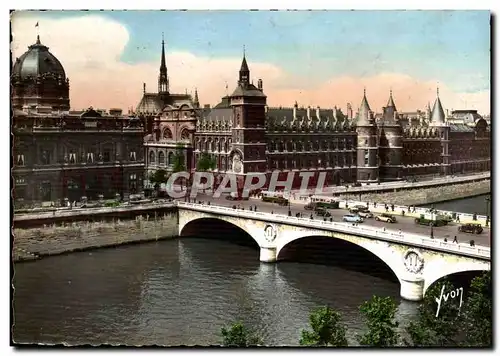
x: 453, y: 294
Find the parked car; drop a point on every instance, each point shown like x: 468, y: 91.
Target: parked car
x: 386, y: 217
x: 352, y: 218
x: 471, y: 228
x: 322, y: 212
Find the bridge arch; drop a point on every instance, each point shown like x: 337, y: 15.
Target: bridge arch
x: 217, y: 225
x: 377, y: 248
x: 435, y: 272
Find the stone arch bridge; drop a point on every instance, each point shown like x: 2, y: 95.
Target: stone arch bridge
x: 417, y: 261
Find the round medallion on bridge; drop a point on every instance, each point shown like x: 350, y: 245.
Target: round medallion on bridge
x: 413, y: 260
x: 270, y: 233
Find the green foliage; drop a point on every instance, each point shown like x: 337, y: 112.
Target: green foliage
x: 379, y: 315
x: 327, y: 329
x: 179, y: 165
x: 206, y: 162
x: 427, y: 329
x: 237, y: 335
x: 158, y: 177
x: 478, y: 313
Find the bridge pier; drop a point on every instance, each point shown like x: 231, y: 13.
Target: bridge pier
x: 412, y: 288
x: 268, y: 254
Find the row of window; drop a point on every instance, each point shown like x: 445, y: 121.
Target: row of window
x: 46, y: 157
x: 291, y: 146
x: 161, y: 158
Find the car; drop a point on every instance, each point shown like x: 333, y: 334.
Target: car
x: 365, y: 214
x: 310, y: 206
x: 471, y: 228
x: 322, y: 212
x: 352, y: 218
x: 386, y: 217
x: 357, y: 208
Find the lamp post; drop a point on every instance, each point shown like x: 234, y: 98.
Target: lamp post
x: 488, y: 200
x: 432, y: 222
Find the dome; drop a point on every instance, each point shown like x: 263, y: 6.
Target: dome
x: 38, y: 61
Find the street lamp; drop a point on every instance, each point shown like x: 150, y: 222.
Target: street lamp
x: 432, y: 222
x: 488, y: 200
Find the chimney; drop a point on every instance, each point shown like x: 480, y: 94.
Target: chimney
x: 144, y: 88
x: 206, y: 106
x: 308, y: 112
x: 317, y: 112
x: 259, y: 84
x: 295, y: 111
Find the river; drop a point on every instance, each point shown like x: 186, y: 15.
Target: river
x: 471, y: 205
x: 182, y: 291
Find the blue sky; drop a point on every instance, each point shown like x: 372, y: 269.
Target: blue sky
x: 314, y: 57
x: 452, y: 45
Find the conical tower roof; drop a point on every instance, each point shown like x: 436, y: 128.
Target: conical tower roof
x: 390, y: 103
x: 437, y: 116
x: 364, y: 113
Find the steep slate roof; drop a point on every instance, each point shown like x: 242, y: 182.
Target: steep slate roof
x: 460, y: 128
x: 248, y: 90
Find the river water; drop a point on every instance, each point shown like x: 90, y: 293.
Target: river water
x: 471, y: 205
x: 182, y: 291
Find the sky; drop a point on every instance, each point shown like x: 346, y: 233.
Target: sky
x: 317, y: 58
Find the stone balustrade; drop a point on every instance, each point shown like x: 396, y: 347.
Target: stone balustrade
x: 349, y: 228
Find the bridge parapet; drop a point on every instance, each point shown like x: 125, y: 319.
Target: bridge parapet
x: 422, y: 241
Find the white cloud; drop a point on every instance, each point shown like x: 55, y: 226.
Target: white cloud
x: 89, y: 47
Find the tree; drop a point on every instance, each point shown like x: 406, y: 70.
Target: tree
x: 427, y: 329
x: 178, y: 164
x: 206, y: 162
x: 237, y: 335
x: 157, y: 178
x: 327, y: 329
x: 477, y: 316
x: 379, y: 314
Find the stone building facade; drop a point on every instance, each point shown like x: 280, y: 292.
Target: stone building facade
x: 244, y: 135
x: 58, y: 153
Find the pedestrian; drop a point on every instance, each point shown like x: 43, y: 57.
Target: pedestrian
x: 392, y: 207
x: 272, y: 212
x: 458, y: 218
x: 455, y: 240
x: 400, y: 232
x: 445, y: 239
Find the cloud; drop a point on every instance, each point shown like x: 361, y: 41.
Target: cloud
x: 89, y: 47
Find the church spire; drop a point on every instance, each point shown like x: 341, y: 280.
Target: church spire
x: 163, y: 77
x: 196, y: 101
x: 244, y: 71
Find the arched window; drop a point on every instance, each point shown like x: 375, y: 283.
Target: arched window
x: 152, y: 158
x: 161, y: 158
x: 170, y: 158
x: 167, y: 134
x: 184, y: 134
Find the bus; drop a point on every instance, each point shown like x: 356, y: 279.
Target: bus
x: 324, y: 202
x: 280, y: 198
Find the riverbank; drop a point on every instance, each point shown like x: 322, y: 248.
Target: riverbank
x: 426, y: 196
x: 33, y: 243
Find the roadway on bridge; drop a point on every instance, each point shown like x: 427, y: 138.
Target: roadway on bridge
x: 406, y: 224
